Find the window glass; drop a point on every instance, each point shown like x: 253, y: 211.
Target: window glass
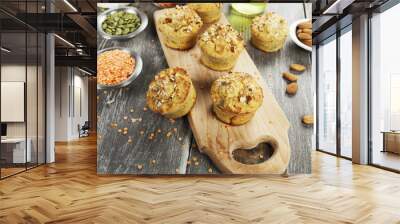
x: 15, y: 149
x: 327, y: 97
x: 346, y: 94
x: 23, y: 89
x: 385, y: 84
x: 31, y: 97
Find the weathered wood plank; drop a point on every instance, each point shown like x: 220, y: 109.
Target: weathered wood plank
x: 203, y: 162
x: 115, y: 154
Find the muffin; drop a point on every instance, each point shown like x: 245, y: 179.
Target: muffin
x: 221, y: 46
x: 180, y: 27
x: 269, y: 32
x: 171, y: 93
x: 236, y: 97
x: 209, y: 12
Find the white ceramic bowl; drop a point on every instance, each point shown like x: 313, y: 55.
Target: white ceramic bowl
x: 293, y: 35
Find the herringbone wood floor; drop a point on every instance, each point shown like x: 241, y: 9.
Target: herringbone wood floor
x: 69, y: 191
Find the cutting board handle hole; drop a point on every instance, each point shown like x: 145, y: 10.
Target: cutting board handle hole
x: 256, y: 155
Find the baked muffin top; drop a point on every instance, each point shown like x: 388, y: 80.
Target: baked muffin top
x: 169, y: 88
x: 237, y: 92
x: 205, y: 7
x: 221, y: 39
x: 180, y: 20
x: 270, y: 26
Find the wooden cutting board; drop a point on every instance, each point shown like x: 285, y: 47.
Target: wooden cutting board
x: 219, y: 140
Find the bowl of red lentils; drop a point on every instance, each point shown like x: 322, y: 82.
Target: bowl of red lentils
x: 117, y: 67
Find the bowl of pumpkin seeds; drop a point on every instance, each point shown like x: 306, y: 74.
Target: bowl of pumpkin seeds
x: 121, y: 23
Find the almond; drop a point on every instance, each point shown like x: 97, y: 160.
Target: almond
x: 308, y: 119
x: 305, y: 25
x: 299, y: 31
x: 289, y: 76
x: 298, y: 67
x: 291, y: 88
x: 304, y: 36
x: 309, y: 31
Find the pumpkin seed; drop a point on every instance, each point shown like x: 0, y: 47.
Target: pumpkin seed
x: 121, y: 23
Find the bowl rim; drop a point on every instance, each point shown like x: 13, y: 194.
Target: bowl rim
x: 293, y: 36
x: 111, y: 5
x: 136, y: 72
x: 102, y: 17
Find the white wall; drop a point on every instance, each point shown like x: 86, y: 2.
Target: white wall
x: 13, y: 101
x: 69, y: 81
x: 80, y: 84
x: 61, y: 103
x: 16, y: 73
x: 13, y: 73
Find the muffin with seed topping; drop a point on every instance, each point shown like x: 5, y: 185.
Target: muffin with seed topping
x: 209, y: 12
x: 171, y: 93
x: 269, y: 32
x: 180, y: 27
x: 221, y: 46
x: 236, y: 97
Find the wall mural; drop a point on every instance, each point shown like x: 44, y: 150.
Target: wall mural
x: 204, y: 88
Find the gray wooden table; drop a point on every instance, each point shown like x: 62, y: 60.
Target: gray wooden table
x: 126, y: 108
